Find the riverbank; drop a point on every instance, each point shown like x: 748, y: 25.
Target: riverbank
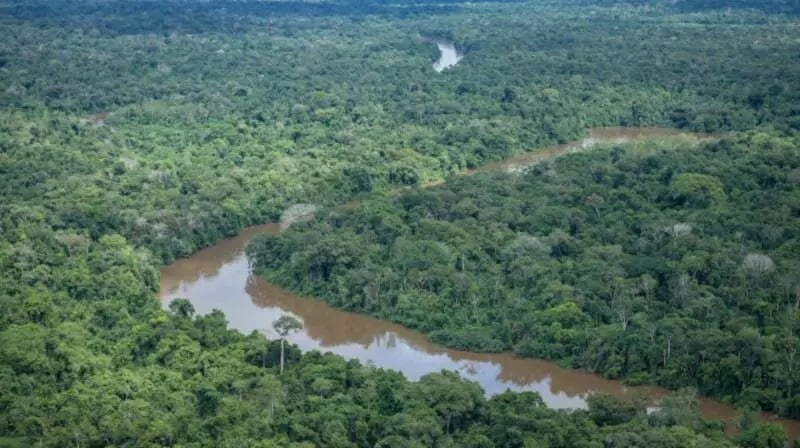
x: 251, y: 304
x: 219, y: 278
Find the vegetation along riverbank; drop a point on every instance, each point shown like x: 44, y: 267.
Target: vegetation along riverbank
x: 134, y: 133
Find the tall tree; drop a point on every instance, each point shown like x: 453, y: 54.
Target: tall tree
x: 284, y: 326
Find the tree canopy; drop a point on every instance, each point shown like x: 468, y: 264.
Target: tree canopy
x: 136, y: 132
x: 668, y: 265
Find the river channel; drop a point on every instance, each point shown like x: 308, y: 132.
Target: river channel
x: 219, y: 278
x: 449, y: 56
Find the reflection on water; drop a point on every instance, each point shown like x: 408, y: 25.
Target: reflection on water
x: 449, y: 56
x: 219, y: 278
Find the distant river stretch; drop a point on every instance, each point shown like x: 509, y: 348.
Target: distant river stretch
x: 449, y: 56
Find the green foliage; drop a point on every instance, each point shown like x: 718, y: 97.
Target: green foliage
x: 606, y: 410
x: 659, y: 264
x: 133, y: 133
x: 286, y: 324
x: 763, y: 436
x: 697, y: 189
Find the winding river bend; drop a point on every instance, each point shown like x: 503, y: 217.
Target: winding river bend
x: 219, y: 278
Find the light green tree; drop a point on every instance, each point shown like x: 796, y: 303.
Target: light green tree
x: 284, y: 326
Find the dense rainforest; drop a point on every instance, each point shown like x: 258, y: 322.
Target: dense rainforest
x: 175, y: 123
x: 674, y: 265
x: 136, y: 132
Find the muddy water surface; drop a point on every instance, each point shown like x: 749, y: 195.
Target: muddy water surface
x: 449, y: 57
x: 219, y: 278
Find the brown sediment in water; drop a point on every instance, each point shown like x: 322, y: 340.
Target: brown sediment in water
x: 594, y: 137
x: 219, y: 278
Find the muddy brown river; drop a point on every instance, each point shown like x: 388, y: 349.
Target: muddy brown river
x: 219, y: 278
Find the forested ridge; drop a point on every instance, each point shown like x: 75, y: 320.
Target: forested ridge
x: 134, y: 133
